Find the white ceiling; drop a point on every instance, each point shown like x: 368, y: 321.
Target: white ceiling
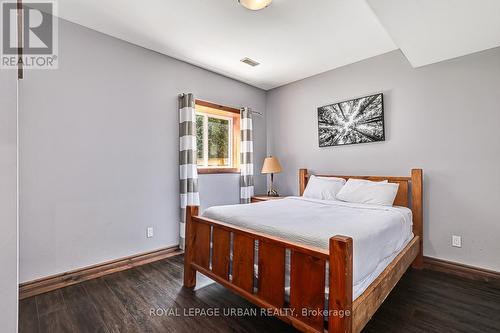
x: 293, y: 39
x: 428, y: 31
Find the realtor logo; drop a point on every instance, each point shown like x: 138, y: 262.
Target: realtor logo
x: 38, y: 35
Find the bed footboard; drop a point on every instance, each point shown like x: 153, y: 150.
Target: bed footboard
x: 340, y: 274
x: 189, y: 272
x: 233, y: 267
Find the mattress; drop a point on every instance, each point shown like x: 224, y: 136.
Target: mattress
x: 379, y: 233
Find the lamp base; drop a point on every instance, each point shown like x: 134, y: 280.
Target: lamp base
x: 272, y: 193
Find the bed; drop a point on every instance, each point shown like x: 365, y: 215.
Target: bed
x: 287, y: 256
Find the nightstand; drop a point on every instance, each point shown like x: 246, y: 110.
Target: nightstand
x: 258, y: 198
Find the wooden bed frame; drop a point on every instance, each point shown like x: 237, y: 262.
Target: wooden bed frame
x: 306, y: 307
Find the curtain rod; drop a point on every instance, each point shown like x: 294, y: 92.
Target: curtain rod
x: 239, y: 108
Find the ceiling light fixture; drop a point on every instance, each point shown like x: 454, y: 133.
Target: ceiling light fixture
x: 255, y: 4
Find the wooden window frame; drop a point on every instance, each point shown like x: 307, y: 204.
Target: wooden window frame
x: 224, y: 111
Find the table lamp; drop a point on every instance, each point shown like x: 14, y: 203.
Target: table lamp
x: 272, y: 166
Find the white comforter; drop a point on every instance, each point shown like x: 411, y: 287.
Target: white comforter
x: 379, y: 233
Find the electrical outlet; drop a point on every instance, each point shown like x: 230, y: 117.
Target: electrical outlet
x: 456, y: 241
x: 150, y: 232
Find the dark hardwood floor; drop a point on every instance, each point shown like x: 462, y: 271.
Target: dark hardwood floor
x: 423, y: 301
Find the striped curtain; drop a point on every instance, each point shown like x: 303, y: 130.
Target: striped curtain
x: 188, y: 172
x: 246, y: 162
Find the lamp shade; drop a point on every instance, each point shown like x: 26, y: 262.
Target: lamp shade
x: 271, y: 165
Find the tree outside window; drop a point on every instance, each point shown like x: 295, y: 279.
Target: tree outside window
x: 214, y: 140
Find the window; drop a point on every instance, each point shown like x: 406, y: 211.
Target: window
x: 213, y: 135
x: 217, y: 138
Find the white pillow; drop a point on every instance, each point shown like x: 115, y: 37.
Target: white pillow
x: 325, y: 188
x: 368, y: 192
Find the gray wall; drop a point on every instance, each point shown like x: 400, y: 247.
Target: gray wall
x: 220, y: 190
x: 99, y: 151
x: 8, y: 201
x: 443, y: 118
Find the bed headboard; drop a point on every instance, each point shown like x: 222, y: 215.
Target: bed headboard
x: 409, y: 195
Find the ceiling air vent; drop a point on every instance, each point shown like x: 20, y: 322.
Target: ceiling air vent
x: 250, y: 62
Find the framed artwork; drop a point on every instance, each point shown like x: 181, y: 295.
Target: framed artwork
x: 359, y: 120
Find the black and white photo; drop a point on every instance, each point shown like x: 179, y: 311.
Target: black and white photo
x: 359, y: 120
